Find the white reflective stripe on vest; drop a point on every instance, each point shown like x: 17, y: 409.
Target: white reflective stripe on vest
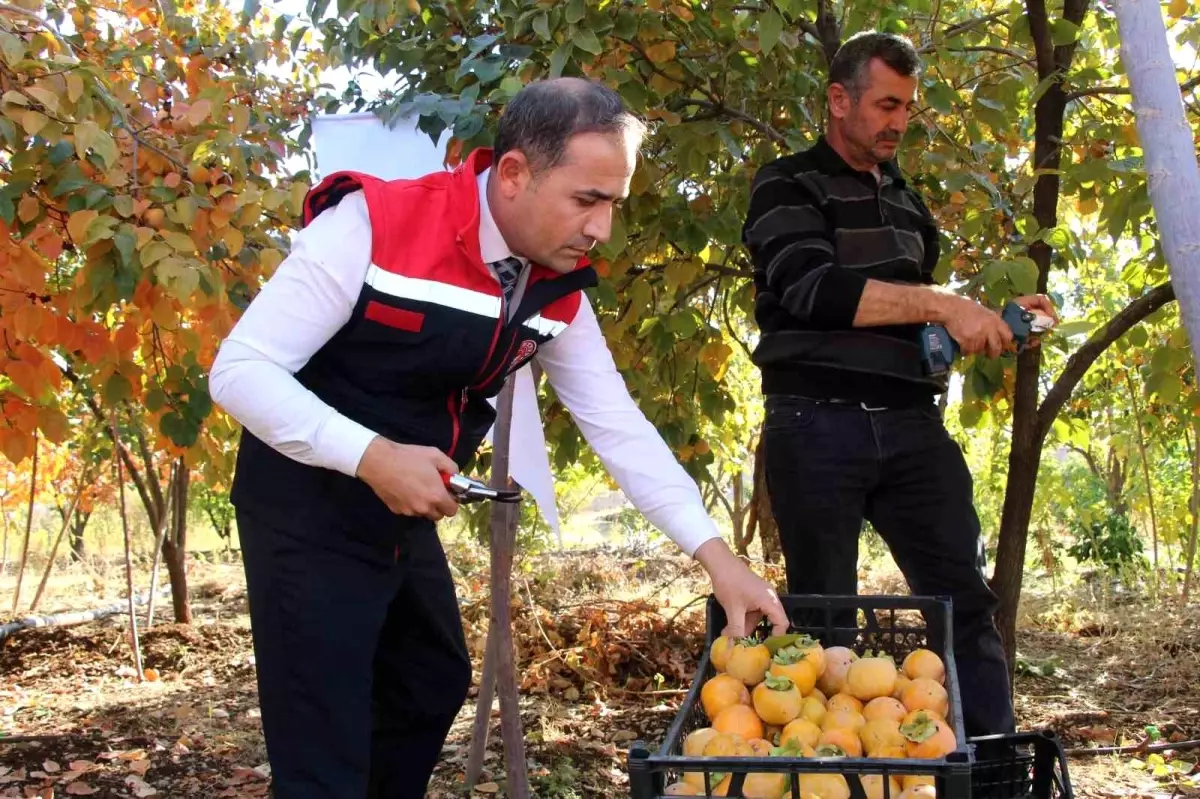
x: 469, y: 300
x: 412, y: 288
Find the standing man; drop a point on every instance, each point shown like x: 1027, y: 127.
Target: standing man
x: 844, y: 252
x: 361, y: 374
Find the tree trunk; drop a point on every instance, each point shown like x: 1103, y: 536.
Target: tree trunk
x: 78, y: 525
x: 1169, y: 150
x: 1027, y: 434
x: 741, y: 535
x: 175, y: 544
x: 760, y: 509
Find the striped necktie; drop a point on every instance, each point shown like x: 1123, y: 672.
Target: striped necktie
x: 508, y: 270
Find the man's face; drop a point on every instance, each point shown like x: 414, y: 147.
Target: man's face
x: 874, y: 124
x: 554, y: 216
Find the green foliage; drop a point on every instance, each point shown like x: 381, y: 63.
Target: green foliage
x: 1112, y: 543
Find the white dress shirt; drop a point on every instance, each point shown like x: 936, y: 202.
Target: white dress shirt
x: 313, y: 294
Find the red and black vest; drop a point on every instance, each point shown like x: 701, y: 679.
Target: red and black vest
x: 428, y: 342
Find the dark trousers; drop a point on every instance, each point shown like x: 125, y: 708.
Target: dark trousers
x: 362, y: 666
x: 829, y: 466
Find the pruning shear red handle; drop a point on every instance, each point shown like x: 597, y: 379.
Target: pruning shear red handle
x: 466, y: 489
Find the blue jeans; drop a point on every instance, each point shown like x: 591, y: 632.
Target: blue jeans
x: 829, y: 466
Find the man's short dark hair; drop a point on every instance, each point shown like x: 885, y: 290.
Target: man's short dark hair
x: 850, y: 62
x: 541, y: 119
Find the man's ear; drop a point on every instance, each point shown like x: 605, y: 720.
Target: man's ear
x: 839, y: 100
x: 513, y: 173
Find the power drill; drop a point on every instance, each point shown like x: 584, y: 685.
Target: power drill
x: 939, y: 349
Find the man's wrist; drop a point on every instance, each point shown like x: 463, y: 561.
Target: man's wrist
x: 713, y: 553
x: 944, y: 304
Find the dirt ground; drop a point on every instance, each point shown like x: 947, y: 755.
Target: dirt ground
x: 607, y: 645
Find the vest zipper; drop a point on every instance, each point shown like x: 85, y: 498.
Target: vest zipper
x: 500, y: 365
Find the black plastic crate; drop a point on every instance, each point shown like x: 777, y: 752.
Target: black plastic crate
x: 893, y: 624
x: 1027, y: 765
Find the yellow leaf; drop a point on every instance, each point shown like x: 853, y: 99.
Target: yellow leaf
x: 270, y: 260
x: 44, y: 96
x: 28, y: 209
x: 33, y: 122
x: 180, y: 242
x: 185, y: 210
x: 414, y: 7
x: 298, y: 193
x: 15, y: 97
x: 661, y: 52
x: 53, y: 424
x: 234, y: 240
x: 683, y: 12
x: 1088, y: 206
x: 74, y: 87
x: 179, y: 276
x: 199, y: 112
x: 715, y: 356
x: 154, y: 252
x: 1177, y: 8
x: 144, y: 235
x: 77, y: 224
x: 273, y: 198
x: 241, y: 118
x: 958, y: 198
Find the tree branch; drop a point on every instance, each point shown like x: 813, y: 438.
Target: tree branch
x: 1083, y: 358
x: 720, y: 109
x: 151, y: 471
x: 971, y: 24
x: 1184, y: 88
x: 44, y: 24
x: 1091, y: 461
x: 130, y: 466
x: 986, y: 48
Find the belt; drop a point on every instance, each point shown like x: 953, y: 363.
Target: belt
x: 838, y: 401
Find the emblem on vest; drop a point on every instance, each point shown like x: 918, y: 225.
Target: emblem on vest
x: 524, y: 353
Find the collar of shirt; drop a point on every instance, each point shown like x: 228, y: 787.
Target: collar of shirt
x: 492, y: 246
x: 832, y: 162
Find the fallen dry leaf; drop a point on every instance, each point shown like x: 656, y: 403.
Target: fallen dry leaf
x: 81, y: 765
x: 140, y: 767
x: 487, y: 787
x: 51, y: 767
x: 140, y: 787
x: 80, y: 789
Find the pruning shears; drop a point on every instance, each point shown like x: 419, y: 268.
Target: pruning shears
x: 466, y: 489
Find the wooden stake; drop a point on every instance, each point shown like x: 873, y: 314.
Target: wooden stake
x: 1190, y: 557
x: 160, y: 533
x: 137, y: 648
x: 41, y: 589
x: 503, y: 542
x: 4, y: 516
x: 483, y: 712
x: 28, y: 525
x: 1141, y: 439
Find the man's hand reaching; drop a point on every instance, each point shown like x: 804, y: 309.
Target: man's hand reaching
x: 745, y: 596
